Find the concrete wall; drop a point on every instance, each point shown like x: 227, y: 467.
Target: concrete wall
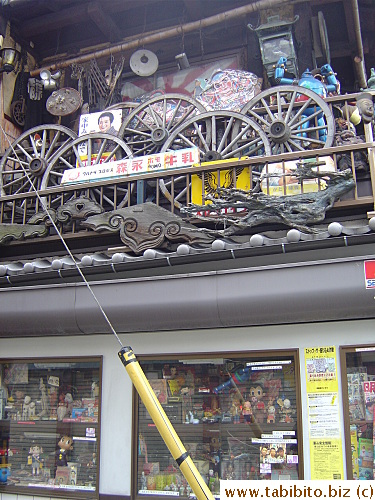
x: 115, y: 456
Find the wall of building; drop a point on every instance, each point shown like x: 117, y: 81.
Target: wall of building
x: 115, y: 454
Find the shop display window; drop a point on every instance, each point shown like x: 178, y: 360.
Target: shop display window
x: 49, y: 426
x: 238, y: 417
x: 358, y: 381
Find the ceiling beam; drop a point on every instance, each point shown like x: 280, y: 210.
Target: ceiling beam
x: 54, y: 21
x: 171, y: 32
x: 104, y: 22
x: 75, y: 15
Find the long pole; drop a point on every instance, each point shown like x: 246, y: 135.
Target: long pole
x: 164, y: 425
x: 175, y: 31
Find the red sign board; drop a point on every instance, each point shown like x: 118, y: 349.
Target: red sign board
x: 370, y: 273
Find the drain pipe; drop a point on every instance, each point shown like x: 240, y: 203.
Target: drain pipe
x: 359, y: 59
x: 175, y: 31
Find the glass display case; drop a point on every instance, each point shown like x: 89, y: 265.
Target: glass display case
x: 49, y: 426
x: 358, y: 382
x: 238, y: 417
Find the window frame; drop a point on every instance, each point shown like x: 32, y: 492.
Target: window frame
x: 252, y: 355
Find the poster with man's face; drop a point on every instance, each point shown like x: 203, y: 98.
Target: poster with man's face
x: 108, y: 122
x: 102, y: 121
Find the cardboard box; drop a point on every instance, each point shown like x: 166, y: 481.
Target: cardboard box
x: 62, y: 475
x: 79, y: 412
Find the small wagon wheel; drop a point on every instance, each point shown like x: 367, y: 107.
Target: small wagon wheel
x: 219, y: 135
x: 18, y: 111
x: 293, y: 117
x: 91, y: 149
x: 146, y: 129
x: 24, y: 163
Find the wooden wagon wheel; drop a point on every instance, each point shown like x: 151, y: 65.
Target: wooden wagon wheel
x: 146, y: 129
x: 24, y: 163
x: 219, y: 135
x: 90, y: 149
x: 293, y: 117
x: 126, y: 108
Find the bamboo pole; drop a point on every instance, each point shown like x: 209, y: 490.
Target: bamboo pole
x: 174, y: 31
x: 359, y: 59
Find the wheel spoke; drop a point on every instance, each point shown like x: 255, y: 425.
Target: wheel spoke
x: 16, y: 181
x: 226, y: 133
x: 154, y: 115
x: 52, y: 145
x: 306, y: 119
x: 175, y: 111
x: 138, y: 132
x: 279, y: 111
x: 33, y: 145
x: 164, y: 122
x: 269, y: 112
x: 25, y: 152
x: 213, y: 127
x: 300, y: 112
x: 295, y: 144
x: 238, y: 136
x: 203, y: 140
x: 23, y: 164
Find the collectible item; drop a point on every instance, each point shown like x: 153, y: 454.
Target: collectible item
x: 4, y: 474
x: 65, y: 445
x: 323, y: 86
x: 26, y: 408
x: 143, y: 481
x: 271, y: 414
x: 247, y: 411
x: 36, y: 459
x: 365, y: 107
x: 258, y: 405
x: 62, y: 410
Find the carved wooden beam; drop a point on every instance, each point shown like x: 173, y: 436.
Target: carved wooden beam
x: 147, y: 226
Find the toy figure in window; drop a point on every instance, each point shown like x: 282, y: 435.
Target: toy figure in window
x: 65, y: 445
x: 259, y: 408
x: 36, y: 458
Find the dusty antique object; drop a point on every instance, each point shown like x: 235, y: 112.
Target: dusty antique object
x: 296, y: 211
x: 63, y: 102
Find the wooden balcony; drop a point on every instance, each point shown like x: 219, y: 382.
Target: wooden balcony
x: 173, y: 189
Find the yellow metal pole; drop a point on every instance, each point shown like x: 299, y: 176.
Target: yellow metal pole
x: 164, y: 425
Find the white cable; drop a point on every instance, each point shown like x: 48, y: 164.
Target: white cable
x: 63, y: 241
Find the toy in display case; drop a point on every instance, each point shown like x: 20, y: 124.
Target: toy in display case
x: 221, y: 410
x: 50, y: 398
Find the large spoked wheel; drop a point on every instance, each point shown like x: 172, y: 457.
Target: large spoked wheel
x: 219, y: 135
x: 125, y: 107
x: 25, y: 162
x: 294, y: 118
x: 147, y: 128
x: 91, y: 149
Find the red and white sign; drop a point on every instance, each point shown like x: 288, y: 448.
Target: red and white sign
x: 370, y: 273
x: 132, y: 166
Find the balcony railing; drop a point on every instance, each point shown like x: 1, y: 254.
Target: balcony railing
x: 173, y: 189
